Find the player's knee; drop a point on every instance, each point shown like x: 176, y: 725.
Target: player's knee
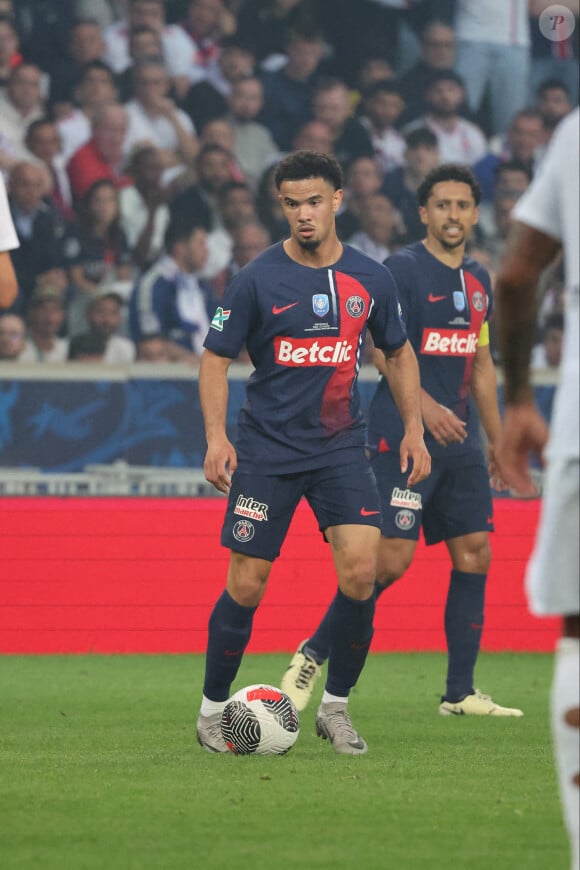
x: 358, y: 578
x: 247, y: 580
x: 247, y: 591
x: 391, y: 567
x: 475, y: 559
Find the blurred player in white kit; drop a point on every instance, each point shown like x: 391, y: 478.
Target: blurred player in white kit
x: 545, y: 222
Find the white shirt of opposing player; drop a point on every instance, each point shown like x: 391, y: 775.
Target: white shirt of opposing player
x: 551, y: 205
x: 8, y: 237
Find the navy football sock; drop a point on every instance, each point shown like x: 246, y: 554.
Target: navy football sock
x: 379, y: 589
x: 318, y: 645
x: 351, y: 632
x: 463, y: 629
x: 229, y: 630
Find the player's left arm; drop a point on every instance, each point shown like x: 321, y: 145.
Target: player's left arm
x: 484, y: 391
x: 8, y: 281
x: 402, y: 373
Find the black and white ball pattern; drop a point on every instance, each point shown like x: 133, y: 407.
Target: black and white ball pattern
x: 260, y: 720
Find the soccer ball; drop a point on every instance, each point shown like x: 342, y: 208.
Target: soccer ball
x: 260, y: 720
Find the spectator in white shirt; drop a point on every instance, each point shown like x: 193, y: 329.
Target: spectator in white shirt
x: 12, y: 336
x: 493, y: 52
x: 459, y: 140
x: 363, y: 177
x: 380, y: 225
x: 155, y: 119
x: 254, y: 146
x: 553, y: 102
x: 177, y: 47
x: 22, y: 103
x: 94, y: 89
x: 144, y: 212
x: 380, y: 109
x: 206, y: 23
x: 44, y: 142
x: 85, y: 43
x: 105, y: 317
x: 45, y: 319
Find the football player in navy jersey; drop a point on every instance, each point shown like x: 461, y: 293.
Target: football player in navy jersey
x: 302, y: 308
x: 446, y: 301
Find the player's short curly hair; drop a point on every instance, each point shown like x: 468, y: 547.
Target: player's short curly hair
x: 448, y: 172
x: 309, y: 164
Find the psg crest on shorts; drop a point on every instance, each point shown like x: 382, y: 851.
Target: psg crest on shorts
x: 320, y: 304
x: 243, y: 531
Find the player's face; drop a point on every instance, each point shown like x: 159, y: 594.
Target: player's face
x: 450, y: 213
x: 309, y: 207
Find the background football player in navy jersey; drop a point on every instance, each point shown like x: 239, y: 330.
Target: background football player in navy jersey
x: 302, y: 309
x: 446, y: 301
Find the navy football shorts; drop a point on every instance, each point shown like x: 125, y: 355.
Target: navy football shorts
x: 260, y: 507
x: 455, y: 499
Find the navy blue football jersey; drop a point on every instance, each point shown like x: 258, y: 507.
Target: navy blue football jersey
x: 444, y: 310
x: 304, y: 330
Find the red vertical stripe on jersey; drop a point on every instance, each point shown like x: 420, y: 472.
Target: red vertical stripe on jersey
x: 335, y: 412
x: 478, y: 302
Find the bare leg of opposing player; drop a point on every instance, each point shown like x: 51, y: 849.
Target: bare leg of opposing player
x: 565, y: 707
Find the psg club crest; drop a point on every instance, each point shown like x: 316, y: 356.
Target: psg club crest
x: 405, y: 520
x: 458, y: 300
x: 320, y: 304
x: 478, y: 301
x: 355, y: 306
x: 243, y: 531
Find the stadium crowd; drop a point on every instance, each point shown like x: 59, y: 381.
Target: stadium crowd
x: 138, y: 141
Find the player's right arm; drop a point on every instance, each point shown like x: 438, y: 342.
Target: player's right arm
x: 445, y: 426
x: 541, y: 221
x: 402, y: 372
x: 524, y: 432
x: 221, y: 458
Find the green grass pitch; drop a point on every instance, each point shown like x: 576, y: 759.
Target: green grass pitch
x: 100, y: 768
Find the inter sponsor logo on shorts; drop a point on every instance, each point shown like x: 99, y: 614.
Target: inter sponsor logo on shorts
x: 246, y: 506
x: 406, y: 498
x: 449, y: 342
x: 243, y: 531
x: 405, y: 520
x: 355, y: 306
x: 306, y: 352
